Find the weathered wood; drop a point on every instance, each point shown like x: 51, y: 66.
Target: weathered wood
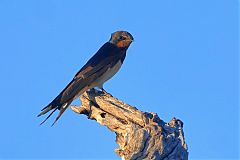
x: 140, y: 135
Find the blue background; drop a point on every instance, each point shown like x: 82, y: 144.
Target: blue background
x: 183, y: 63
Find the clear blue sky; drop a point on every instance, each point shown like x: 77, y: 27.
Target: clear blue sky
x: 183, y: 63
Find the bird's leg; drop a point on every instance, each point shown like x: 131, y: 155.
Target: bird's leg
x: 92, y: 90
x: 103, y: 90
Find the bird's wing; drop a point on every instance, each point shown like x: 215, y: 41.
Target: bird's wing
x: 106, y: 57
x: 87, y: 75
x: 80, y: 83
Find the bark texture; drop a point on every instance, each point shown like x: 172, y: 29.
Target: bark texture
x: 140, y: 135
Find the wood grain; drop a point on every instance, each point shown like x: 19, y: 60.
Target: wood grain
x: 140, y: 135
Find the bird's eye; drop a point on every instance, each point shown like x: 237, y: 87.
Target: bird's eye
x: 121, y: 38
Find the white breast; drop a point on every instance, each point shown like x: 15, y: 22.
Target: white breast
x: 108, y: 74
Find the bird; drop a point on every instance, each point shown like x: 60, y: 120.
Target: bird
x: 102, y: 66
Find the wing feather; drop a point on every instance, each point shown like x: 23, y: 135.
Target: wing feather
x: 93, y: 69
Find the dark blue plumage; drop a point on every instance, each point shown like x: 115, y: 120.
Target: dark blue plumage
x: 101, y: 67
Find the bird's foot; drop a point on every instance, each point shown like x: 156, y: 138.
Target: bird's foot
x: 92, y: 90
x: 104, y: 91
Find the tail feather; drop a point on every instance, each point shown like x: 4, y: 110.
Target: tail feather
x: 63, y: 108
x: 46, y: 109
x: 54, y: 105
x: 48, y: 116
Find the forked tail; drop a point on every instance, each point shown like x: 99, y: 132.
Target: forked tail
x: 54, y: 105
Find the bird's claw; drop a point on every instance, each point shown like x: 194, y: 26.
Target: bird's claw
x: 104, y: 91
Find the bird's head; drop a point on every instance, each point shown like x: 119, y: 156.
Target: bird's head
x: 122, y: 39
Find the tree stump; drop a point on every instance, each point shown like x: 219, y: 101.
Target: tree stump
x: 140, y: 135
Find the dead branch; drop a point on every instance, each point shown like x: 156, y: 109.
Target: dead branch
x: 140, y: 135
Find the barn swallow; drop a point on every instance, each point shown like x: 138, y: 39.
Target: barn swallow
x: 100, y: 68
